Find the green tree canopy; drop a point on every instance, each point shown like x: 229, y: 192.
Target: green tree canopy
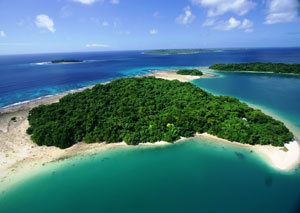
x: 259, y: 67
x: 138, y: 110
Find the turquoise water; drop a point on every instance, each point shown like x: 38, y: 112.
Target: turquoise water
x: 197, y: 175
x: 277, y: 94
x: 192, y: 176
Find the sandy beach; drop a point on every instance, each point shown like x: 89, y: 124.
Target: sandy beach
x: 172, y: 75
x: 277, y: 157
x: 208, y: 69
x: 19, y: 156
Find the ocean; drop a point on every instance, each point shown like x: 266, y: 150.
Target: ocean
x: 197, y: 175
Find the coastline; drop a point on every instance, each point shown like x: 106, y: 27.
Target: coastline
x: 172, y: 75
x: 239, y: 71
x: 19, y: 156
x: 275, y: 156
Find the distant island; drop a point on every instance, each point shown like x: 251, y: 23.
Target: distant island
x: 147, y: 109
x: 64, y: 61
x: 189, y: 72
x: 178, y: 51
x: 187, y: 51
x: 259, y: 67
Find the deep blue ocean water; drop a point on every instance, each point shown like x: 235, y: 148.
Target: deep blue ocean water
x: 22, y: 79
x: 198, y: 175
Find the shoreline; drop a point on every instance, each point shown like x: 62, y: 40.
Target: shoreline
x: 19, y: 156
x: 240, y: 71
x: 48, y: 99
x: 275, y: 156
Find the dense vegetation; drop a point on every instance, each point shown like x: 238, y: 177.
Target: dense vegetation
x: 258, y: 66
x: 178, y: 51
x: 65, y: 61
x: 137, y: 110
x: 190, y: 72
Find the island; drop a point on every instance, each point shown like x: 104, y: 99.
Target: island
x: 64, y: 61
x: 259, y: 67
x: 178, y: 51
x: 147, y: 109
x: 193, y: 72
x: 159, y: 106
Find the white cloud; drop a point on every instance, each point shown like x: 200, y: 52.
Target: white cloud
x: 87, y: 2
x: 105, y: 24
x: 220, y: 7
x: 115, y: 1
x: 44, y: 21
x: 187, y: 17
x: 209, y: 22
x: 153, y: 32
x: 233, y: 23
x: 246, y: 24
x: 280, y: 11
x: 2, y: 34
x: 97, y: 45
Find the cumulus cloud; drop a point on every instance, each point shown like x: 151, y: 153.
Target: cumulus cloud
x: 2, y: 34
x: 97, y: 45
x: 153, y: 32
x: 87, y: 2
x: 233, y: 23
x: 44, y: 21
x: 280, y: 11
x: 220, y: 7
x: 187, y: 17
x: 115, y: 1
x: 246, y: 24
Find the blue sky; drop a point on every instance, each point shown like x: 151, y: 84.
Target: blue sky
x: 41, y: 26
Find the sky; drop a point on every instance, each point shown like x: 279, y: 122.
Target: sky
x: 45, y: 26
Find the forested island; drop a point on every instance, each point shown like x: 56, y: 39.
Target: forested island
x: 259, y: 67
x: 189, y: 72
x: 138, y: 110
x: 66, y: 61
x: 178, y: 51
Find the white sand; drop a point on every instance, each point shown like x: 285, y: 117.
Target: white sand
x: 172, y: 75
x: 276, y: 156
x: 280, y: 159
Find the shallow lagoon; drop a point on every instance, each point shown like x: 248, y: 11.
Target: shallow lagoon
x: 189, y: 176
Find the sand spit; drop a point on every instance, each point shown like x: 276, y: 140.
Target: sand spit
x: 172, y: 75
x: 282, y: 158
